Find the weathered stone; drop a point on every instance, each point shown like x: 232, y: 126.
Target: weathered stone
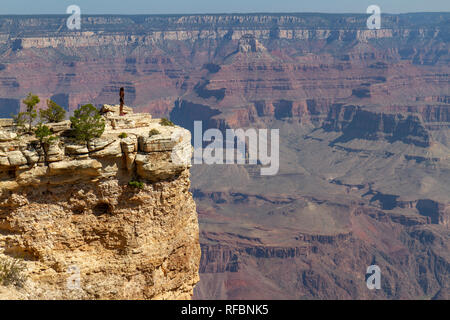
x: 130, y: 160
x: 164, y: 142
x: 182, y: 151
x: 178, y: 146
x: 6, y: 185
x: 122, y: 250
x: 129, y: 121
x: 4, y: 162
x: 7, y: 135
x: 129, y: 144
x: 99, y: 143
x: 71, y: 211
x: 54, y: 153
x: 6, y: 122
x: 76, y: 149
x: 110, y: 110
x: 33, y: 176
x: 90, y: 167
x: 31, y: 156
x: 155, y: 144
x: 158, y: 166
x: 16, y: 201
x: 16, y: 158
x: 59, y: 126
x: 111, y: 150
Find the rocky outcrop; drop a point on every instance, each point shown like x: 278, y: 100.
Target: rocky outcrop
x: 248, y: 43
x: 356, y: 123
x: 344, y: 27
x: 72, y: 212
x: 319, y: 56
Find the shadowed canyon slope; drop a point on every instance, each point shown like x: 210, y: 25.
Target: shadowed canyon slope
x: 364, y: 119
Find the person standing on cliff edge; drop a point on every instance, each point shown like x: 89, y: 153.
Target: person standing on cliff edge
x: 122, y: 101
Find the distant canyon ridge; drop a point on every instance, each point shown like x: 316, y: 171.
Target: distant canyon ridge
x: 364, y: 119
x: 230, y: 60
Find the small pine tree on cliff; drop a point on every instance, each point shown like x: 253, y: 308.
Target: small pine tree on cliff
x: 20, y: 120
x: 87, y: 123
x: 28, y: 116
x: 44, y: 134
x: 54, y: 113
x: 45, y: 137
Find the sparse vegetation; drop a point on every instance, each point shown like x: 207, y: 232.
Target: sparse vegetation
x: 87, y: 123
x: 31, y: 101
x: 44, y: 135
x: 20, y: 121
x: 54, y: 113
x: 154, y: 132
x: 166, y: 122
x: 123, y: 135
x: 27, y: 117
x: 12, y: 271
x: 136, y: 184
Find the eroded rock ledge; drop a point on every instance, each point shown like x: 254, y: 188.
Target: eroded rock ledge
x: 72, y: 208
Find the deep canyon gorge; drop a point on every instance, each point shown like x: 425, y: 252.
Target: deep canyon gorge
x: 364, y: 120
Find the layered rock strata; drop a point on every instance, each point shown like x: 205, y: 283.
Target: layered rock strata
x: 82, y: 230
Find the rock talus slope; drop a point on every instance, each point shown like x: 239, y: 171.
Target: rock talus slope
x: 71, y: 212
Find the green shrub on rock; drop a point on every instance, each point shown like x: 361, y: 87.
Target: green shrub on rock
x: 136, y: 184
x: 54, y: 113
x: 166, y: 122
x: 20, y: 121
x: 12, y: 271
x: 44, y: 134
x: 87, y: 123
x: 154, y: 132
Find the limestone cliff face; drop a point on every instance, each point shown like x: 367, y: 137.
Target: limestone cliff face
x: 71, y: 210
x: 20, y: 32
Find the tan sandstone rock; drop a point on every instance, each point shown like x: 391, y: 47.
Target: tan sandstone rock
x: 7, y: 136
x: 75, y: 216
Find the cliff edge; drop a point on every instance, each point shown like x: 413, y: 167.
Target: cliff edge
x: 82, y: 231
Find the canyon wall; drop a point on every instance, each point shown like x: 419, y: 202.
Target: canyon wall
x: 297, y: 58
x: 364, y: 136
